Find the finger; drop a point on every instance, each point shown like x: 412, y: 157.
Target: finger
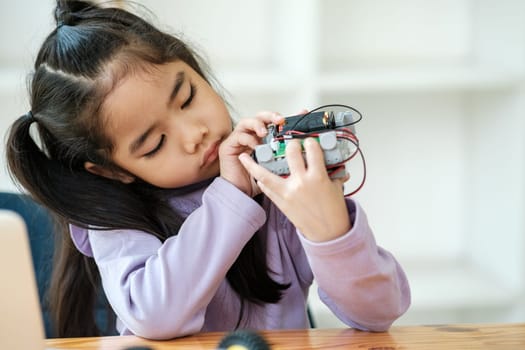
x: 269, y: 117
x: 252, y: 125
x: 314, y: 155
x: 294, y: 157
x: 339, y: 173
x: 340, y: 181
x: 259, y: 173
x: 246, y: 140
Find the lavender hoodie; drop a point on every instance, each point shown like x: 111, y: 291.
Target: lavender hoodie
x: 176, y: 288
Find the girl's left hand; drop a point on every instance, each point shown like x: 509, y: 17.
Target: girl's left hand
x: 244, y: 138
x: 310, y: 199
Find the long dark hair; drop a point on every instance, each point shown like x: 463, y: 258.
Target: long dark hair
x: 78, y: 64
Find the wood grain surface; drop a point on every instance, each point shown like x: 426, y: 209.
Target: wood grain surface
x: 454, y: 336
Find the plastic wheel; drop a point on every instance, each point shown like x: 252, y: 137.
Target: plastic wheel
x: 243, y: 340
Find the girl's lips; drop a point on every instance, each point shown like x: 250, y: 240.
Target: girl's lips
x: 211, y: 154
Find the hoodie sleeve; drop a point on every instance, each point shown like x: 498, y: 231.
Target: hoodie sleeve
x: 361, y: 283
x: 161, y: 290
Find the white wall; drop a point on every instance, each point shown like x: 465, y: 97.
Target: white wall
x: 441, y: 87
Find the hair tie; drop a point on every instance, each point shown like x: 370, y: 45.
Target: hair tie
x: 30, y: 117
x: 60, y: 24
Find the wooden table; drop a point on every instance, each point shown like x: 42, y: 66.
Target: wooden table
x: 442, y: 337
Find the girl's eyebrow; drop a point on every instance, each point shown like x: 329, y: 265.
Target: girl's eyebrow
x: 179, y: 80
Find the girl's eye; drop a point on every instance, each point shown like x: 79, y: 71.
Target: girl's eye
x: 190, y: 98
x: 157, y: 148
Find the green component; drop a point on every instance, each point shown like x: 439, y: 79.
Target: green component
x: 282, y: 147
x: 281, y: 150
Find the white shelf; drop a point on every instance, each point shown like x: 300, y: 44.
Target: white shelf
x: 367, y: 81
x: 419, y: 80
x: 442, y: 285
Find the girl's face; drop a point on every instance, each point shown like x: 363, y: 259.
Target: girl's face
x: 166, y: 124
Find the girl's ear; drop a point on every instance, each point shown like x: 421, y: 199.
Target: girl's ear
x: 107, y: 173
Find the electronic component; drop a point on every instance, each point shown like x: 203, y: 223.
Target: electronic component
x: 334, y: 131
x: 317, y: 121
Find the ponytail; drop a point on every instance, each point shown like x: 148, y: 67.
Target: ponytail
x: 75, y: 279
x: 48, y: 180
x: 26, y: 162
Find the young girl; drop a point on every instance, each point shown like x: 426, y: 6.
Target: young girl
x: 139, y: 158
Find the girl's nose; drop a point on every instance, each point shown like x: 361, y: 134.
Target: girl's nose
x: 192, y: 136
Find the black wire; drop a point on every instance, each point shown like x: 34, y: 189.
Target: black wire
x: 326, y: 106
x: 356, y: 143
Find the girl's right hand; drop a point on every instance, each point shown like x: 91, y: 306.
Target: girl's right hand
x: 244, y: 138
x: 308, y: 197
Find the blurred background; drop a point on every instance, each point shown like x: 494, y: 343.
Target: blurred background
x: 441, y: 88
